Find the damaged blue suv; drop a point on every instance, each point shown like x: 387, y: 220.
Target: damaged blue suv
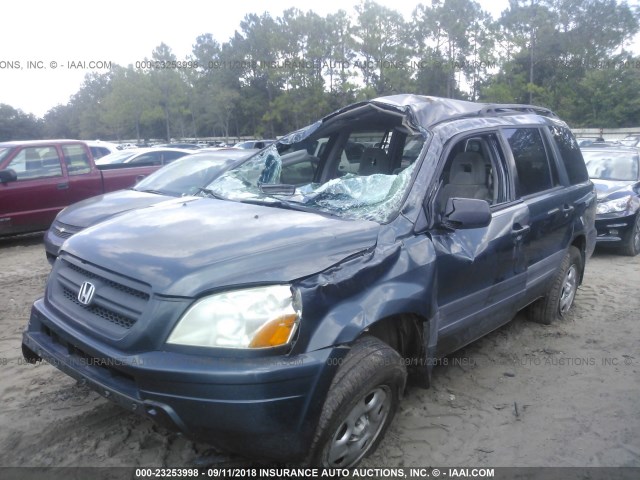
x: 278, y: 313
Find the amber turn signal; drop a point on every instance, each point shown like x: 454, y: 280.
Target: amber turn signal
x: 275, y: 332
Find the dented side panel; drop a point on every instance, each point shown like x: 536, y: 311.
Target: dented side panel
x: 481, y: 277
x: 393, y: 279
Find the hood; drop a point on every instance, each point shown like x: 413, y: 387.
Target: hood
x: 97, y: 209
x: 612, y: 189
x: 186, y: 247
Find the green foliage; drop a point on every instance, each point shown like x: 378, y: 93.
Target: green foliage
x: 609, y: 96
x: 278, y: 74
x: 550, y: 46
x: 17, y: 125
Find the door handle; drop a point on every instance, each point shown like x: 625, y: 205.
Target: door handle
x: 564, y: 211
x: 62, y: 186
x: 519, y: 231
x: 567, y: 209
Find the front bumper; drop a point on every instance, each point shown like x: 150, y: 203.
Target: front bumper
x: 613, y: 228
x: 262, y: 407
x: 52, y: 244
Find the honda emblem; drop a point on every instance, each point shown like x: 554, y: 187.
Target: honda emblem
x: 85, y: 295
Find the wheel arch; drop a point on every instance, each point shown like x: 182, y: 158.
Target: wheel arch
x: 409, y: 334
x: 580, y: 242
x: 404, y: 332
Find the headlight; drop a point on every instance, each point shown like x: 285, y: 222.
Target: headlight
x: 258, y: 317
x: 613, y: 206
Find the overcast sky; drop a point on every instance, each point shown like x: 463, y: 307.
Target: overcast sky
x: 57, y: 32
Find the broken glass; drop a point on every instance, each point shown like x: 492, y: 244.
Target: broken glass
x: 373, y: 197
x: 376, y: 196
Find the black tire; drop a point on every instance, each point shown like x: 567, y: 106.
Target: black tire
x: 361, y: 403
x: 560, y: 296
x: 631, y: 244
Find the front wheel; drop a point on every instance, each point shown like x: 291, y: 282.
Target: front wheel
x: 559, y: 298
x: 360, y: 405
x: 631, y: 245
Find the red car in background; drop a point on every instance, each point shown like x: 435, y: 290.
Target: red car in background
x: 39, y: 178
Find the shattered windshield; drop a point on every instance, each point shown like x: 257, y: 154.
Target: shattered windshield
x: 363, y: 174
x: 611, y: 165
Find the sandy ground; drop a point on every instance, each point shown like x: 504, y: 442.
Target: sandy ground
x: 525, y: 395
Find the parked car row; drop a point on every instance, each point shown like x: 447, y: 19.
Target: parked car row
x: 39, y: 178
x: 259, y: 144
x: 186, y: 176
x: 142, y: 156
x: 279, y: 313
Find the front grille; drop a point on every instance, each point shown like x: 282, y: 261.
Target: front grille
x: 63, y: 230
x: 101, y: 312
x: 117, y: 303
x: 117, y: 286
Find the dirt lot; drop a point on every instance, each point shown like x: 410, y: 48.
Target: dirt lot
x: 526, y: 395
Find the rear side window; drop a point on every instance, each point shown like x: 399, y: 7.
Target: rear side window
x: 571, y: 154
x: 535, y: 171
x: 77, y: 159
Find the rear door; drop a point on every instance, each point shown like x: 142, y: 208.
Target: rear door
x: 540, y: 184
x: 32, y: 201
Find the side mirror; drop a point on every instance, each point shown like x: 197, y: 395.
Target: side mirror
x: 463, y: 213
x: 8, y: 175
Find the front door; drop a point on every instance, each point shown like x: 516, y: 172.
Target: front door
x: 480, y: 272
x: 32, y: 201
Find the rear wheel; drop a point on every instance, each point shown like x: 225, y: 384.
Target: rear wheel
x: 560, y: 296
x: 631, y: 245
x: 360, y: 405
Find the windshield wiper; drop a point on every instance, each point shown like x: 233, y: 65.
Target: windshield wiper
x: 287, y: 205
x: 157, y: 192
x: 211, y: 193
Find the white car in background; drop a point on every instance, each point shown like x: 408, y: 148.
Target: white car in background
x: 99, y: 148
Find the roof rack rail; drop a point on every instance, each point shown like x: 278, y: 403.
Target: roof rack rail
x: 498, y: 108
